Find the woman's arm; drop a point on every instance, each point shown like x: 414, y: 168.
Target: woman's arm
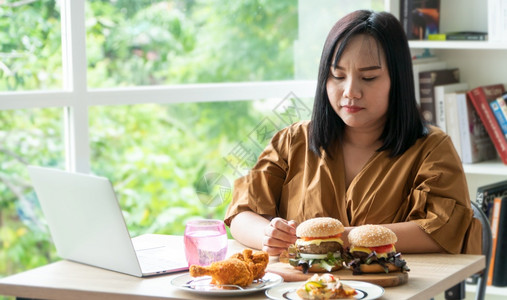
x: 256, y: 231
x: 411, y: 238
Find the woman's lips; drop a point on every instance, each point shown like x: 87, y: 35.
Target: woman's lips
x: 351, y: 108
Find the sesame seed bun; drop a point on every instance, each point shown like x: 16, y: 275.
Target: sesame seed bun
x: 371, y: 236
x: 319, y: 227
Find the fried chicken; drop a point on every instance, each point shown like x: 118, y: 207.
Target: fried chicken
x: 231, y: 271
x: 240, y: 269
x: 260, y: 260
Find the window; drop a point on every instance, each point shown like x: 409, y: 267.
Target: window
x: 181, y: 42
x: 27, y: 136
x: 169, y: 99
x: 30, y: 52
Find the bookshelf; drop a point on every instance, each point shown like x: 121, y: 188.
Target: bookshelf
x: 458, y: 45
x: 480, y: 63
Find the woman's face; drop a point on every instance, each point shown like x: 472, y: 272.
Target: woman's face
x: 358, y: 86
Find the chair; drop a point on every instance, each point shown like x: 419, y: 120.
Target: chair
x: 458, y: 291
x: 487, y: 245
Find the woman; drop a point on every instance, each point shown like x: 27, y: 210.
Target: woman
x: 365, y: 157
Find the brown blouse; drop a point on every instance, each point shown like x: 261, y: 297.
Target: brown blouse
x: 425, y: 185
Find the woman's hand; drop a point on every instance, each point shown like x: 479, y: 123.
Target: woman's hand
x: 272, y: 235
x: 279, y: 234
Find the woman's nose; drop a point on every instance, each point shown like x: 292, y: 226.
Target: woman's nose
x: 352, y: 89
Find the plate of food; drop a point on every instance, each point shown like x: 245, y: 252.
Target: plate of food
x: 325, y: 286
x: 204, y: 286
x: 242, y: 273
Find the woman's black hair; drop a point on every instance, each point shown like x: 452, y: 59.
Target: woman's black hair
x: 404, y: 124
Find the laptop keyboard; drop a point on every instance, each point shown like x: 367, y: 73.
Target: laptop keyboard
x: 158, y: 260
x: 157, y: 263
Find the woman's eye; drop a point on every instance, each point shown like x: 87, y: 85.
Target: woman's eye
x: 337, y: 76
x: 369, y: 78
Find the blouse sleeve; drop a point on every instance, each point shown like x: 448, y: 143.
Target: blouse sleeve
x: 441, y: 203
x: 259, y: 191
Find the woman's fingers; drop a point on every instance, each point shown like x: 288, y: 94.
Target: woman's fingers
x: 280, y: 229
x: 279, y: 235
x: 272, y: 251
x: 293, y: 224
x: 284, y: 225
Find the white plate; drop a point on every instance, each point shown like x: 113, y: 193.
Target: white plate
x: 365, y: 290
x: 201, y: 285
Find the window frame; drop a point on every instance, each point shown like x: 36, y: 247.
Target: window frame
x: 76, y: 98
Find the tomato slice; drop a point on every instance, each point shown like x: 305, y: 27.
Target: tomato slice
x: 382, y: 249
x: 322, y: 237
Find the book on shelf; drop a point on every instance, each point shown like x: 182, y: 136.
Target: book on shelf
x: 427, y: 82
x: 494, y: 240
x: 499, y: 109
x: 467, y: 36
x: 497, y: 275
x: 452, y: 121
x: 480, y: 98
x: 502, y: 102
x: 475, y: 143
x: 422, y: 60
x: 422, y: 67
x: 486, y: 195
x: 420, y: 18
x: 436, y: 37
x: 439, y: 95
x: 459, y: 36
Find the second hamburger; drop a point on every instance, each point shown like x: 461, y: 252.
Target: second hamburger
x: 319, y: 247
x: 372, y: 250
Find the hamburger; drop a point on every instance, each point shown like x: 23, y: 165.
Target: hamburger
x: 372, y: 250
x: 319, y: 247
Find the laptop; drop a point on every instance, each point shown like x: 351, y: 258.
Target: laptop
x: 87, y: 225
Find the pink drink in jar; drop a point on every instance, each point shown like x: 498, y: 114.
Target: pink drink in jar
x: 205, y: 242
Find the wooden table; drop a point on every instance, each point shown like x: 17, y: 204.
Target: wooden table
x: 430, y: 275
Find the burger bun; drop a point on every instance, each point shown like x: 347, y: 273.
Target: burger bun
x: 371, y: 236
x: 320, y: 227
x: 376, y: 268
